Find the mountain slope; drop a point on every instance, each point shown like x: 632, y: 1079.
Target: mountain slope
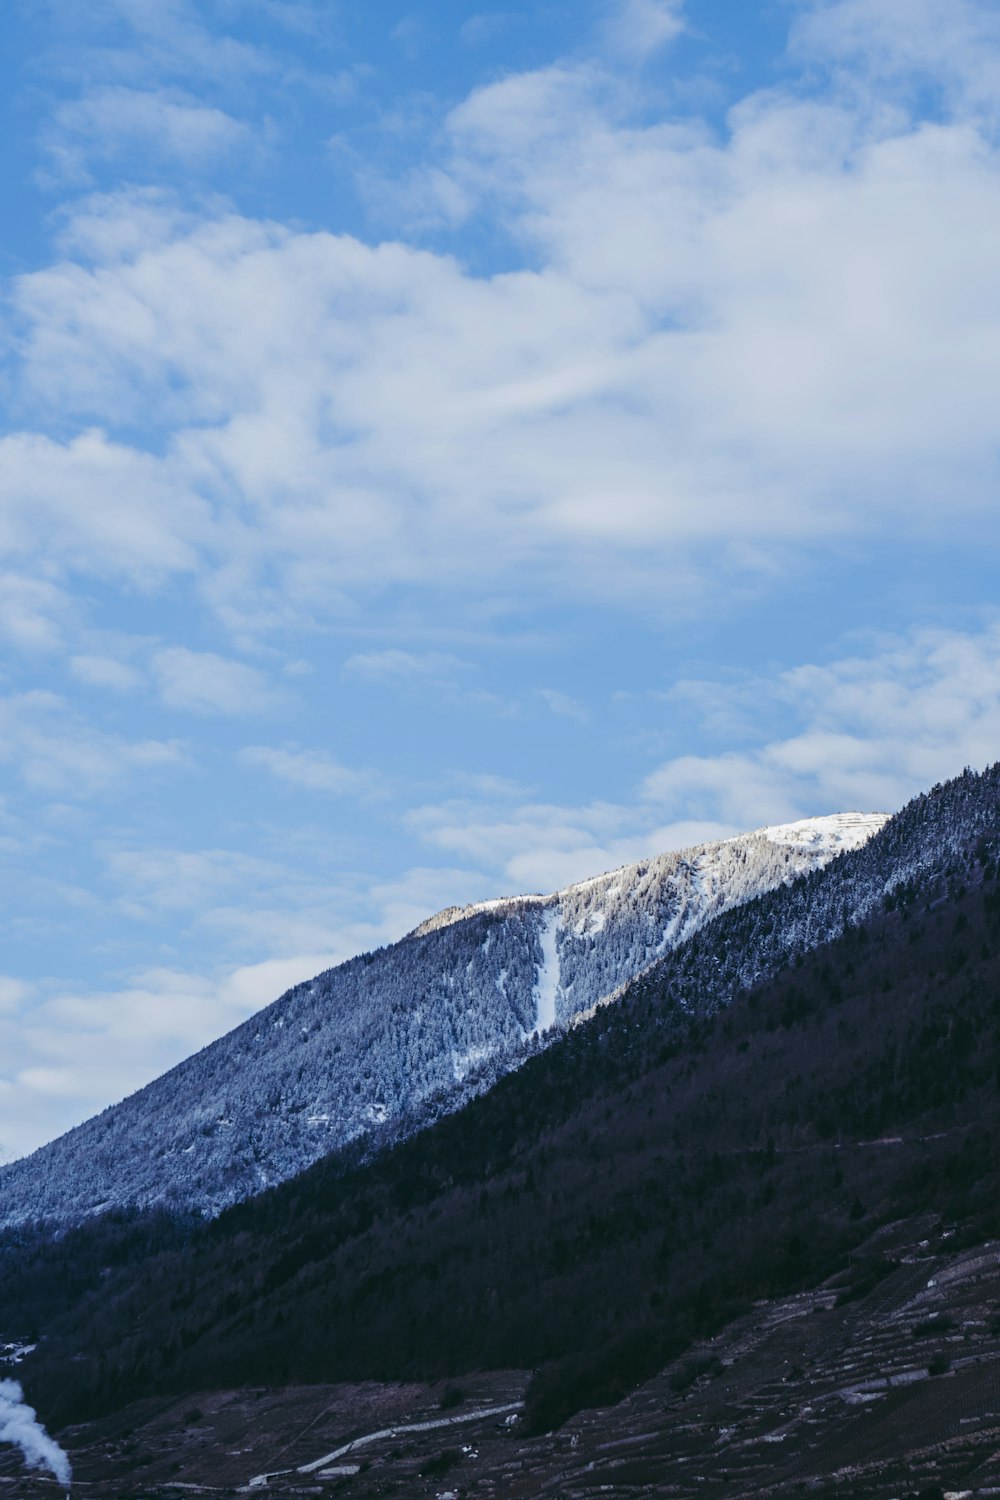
x: 583, y: 1210
x: 388, y: 1040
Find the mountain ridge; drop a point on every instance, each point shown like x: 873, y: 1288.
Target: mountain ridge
x: 833, y: 832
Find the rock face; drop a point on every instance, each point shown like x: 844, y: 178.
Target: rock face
x: 382, y: 1044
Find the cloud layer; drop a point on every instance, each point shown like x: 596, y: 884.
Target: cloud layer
x: 722, y: 342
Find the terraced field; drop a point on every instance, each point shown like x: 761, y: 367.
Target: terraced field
x: 825, y: 1393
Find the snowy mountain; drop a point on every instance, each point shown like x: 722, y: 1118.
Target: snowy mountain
x: 382, y: 1044
x: 925, y: 854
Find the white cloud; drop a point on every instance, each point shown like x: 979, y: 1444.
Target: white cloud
x: 954, y: 49
x: 310, y: 18
x: 537, y: 846
x: 73, y: 1053
x: 180, y: 880
x: 869, y: 732
x: 96, y: 506
x: 104, y: 672
x: 147, y: 40
x: 636, y: 28
x: 419, y: 892
x: 403, y: 667
x: 13, y: 994
x: 563, y: 705
x: 56, y: 752
x: 723, y: 342
x: 410, y: 34
x: 351, y: 915
x: 243, y: 907
x: 485, y: 27
x: 201, y: 682
x: 429, y: 673
x: 113, y: 121
x: 33, y: 613
x: 312, y: 770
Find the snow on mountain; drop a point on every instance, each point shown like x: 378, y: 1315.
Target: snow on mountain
x: 929, y: 851
x: 837, y: 833
x: 387, y: 1040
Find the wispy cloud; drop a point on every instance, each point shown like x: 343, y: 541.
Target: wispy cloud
x: 312, y: 770
x: 139, y: 40
x: 637, y: 28
x: 33, y: 612
x: 424, y: 673
x: 105, y: 672
x: 56, y: 752
x: 485, y: 27
x: 563, y: 705
x: 201, y: 682
x: 108, y: 122
x: 410, y: 34
x: 153, y: 879
x: 535, y: 846
x: 405, y: 668
x: 868, y: 732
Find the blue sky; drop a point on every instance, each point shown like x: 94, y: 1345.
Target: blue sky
x: 451, y: 450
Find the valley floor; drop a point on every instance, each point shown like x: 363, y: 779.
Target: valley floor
x: 802, y: 1396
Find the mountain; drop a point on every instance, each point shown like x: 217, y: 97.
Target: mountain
x: 753, y: 1115
x: 388, y: 1041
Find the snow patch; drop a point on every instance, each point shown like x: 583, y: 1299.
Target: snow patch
x: 837, y: 832
x: 592, y: 922
x: 547, y: 980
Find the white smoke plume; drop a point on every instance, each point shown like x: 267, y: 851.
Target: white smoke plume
x: 19, y: 1425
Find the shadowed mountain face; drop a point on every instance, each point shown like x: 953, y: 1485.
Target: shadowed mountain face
x: 849, y: 1391
x: 381, y: 1045
x: 742, y: 1123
